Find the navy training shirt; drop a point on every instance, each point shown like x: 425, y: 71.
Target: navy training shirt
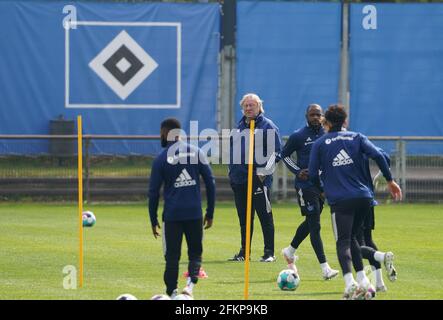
x: 181, y: 181
x: 300, y: 142
x: 341, y: 158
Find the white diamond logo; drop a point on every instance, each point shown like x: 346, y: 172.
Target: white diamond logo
x: 123, y: 65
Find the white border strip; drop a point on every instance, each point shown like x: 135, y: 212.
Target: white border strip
x: 69, y: 105
x: 67, y: 67
x: 134, y: 24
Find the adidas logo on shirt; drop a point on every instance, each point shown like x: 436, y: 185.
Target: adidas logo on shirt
x: 342, y: 159
x: 308, y: 141
x: 184, y: 180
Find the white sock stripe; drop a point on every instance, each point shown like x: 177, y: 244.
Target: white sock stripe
x: 379, y: 278
x: 325, y: 267
x: 349, y: 279
x: 379, y: 256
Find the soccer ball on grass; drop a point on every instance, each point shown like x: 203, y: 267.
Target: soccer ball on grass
x: 183, y: 296
x: 161, y: 297
x: 288, y: 280
x: 126, y: 296
x: 88, y: 219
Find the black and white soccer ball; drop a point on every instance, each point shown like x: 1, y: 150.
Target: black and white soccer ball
x: 288, y: 280
x: 161, y: 297
x: 126, y: 296
x: 88, y: 219
x: 183, y: 296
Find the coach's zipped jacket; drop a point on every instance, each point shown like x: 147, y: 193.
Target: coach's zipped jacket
x: 238, y: 167
x: 178, y: 168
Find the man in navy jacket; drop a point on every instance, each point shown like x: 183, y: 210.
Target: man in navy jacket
x: 309, y: 195
x: 267, y: 146
x: 178, y: 168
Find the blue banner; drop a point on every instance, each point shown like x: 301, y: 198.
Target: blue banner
x: 289, y: 54
x: 396, y: 75
x: 123, y: 67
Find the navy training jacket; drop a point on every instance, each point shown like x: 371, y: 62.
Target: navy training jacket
x: 300, y: 142
x: 179, y: 167
x: 341, y: 158
x: 238, y: 167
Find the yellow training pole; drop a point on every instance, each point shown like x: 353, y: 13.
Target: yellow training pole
x: 80, y: 198
x: 249, y: 206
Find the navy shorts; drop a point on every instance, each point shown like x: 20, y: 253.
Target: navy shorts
x: 310, y: 201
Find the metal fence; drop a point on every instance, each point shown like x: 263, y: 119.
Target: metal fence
x: 45, y: 166
x: 419, y: 173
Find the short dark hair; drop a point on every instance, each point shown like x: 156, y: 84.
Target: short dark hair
x: 312, y: 105
x: 336, y: 115
x: 170, y: 124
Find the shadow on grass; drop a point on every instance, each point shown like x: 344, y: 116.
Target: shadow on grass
x: 204, y: 263
x: 297, y: 295
x: 236, y: 282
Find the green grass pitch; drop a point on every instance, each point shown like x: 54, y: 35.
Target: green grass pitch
x: 122, y: 256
